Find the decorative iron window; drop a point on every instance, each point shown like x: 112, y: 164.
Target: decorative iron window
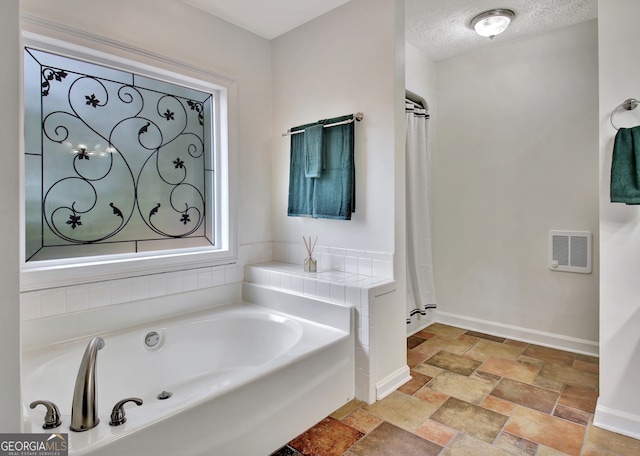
x: 116, y: 162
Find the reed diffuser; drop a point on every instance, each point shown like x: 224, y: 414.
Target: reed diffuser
x: 310, y: 265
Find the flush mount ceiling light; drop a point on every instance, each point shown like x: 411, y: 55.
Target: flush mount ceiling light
x: 493, y: 22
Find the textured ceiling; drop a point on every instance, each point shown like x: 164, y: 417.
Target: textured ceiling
x: 441, y: 27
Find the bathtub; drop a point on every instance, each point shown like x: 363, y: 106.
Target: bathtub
x: 244, y: 378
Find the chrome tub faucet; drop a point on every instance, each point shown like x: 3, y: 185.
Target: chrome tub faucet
x: 84, y: 409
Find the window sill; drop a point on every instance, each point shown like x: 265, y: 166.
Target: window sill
x: 56, y: 274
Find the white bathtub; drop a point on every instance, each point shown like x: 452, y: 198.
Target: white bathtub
x: 245, y: 379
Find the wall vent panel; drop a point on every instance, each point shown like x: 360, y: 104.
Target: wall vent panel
x: 570, y: 251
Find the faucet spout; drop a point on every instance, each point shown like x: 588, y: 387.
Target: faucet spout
x: 84, y: 409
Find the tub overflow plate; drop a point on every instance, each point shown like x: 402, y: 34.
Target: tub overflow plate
x: 152, y: 339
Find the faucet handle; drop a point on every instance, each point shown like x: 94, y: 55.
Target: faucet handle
x: 52, y: 417
x: 117, y: 415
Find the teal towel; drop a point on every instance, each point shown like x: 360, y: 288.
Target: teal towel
x: 334, y: 192
x: 625, y: 167
x: 313, y: 151
x: 300, y: 187
x: 332, y: 195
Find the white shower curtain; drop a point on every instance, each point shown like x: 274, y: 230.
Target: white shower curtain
x: 420, y: 281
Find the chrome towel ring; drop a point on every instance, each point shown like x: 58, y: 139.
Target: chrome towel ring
x: 629, y: 104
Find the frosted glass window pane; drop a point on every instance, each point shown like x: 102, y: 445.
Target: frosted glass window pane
x: 114, y: 160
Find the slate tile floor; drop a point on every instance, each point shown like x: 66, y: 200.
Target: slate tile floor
x: 474, y: 394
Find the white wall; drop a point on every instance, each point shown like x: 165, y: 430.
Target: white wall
x: 619, y: 53
x: 178, y: 31
x: 515, y: 157
x: 9, y: 305
x: 420, y: 76
x: 341, y: 63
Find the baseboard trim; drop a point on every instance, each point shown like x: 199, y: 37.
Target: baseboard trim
x: 617, y: 421
x: 418, y: 325
x: 392, y: 382
x: 583, y: 346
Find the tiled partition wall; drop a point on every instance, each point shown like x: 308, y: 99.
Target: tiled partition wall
x: 355, y: 289
x: 364, y: 262
x: 350, y: 276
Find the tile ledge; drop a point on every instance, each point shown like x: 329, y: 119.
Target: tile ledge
x: 325, y: 275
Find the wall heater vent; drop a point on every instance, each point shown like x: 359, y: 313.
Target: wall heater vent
x: 570, y: 251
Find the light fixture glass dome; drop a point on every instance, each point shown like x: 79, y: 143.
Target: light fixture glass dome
x: 492, y: 23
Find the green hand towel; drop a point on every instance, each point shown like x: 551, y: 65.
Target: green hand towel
x: 625, y: 167
x: 300, y: 187
x: 313, y: 151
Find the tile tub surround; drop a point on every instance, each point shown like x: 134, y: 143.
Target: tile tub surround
x: 371, y: 266
x: 346, y: 288
x: 51, y: 315
x: 353, y: 261
x: 72, y: 299
x: 475, y: 394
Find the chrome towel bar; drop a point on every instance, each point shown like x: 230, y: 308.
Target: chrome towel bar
x: 357, y: 116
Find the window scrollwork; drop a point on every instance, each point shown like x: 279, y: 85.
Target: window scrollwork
x: 117, y: 158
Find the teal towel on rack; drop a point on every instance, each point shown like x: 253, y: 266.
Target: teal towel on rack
x: 332, y: 195
x: 313, y: 151
x: 625, y: 167
x: 334, y: 192
x: 300, y: 187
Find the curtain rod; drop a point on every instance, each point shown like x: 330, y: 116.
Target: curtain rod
x: 357, y: 116
x: 414, y: 97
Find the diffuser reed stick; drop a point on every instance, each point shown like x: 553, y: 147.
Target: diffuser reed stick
x: 310, y: 265
x: 309, y: 245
